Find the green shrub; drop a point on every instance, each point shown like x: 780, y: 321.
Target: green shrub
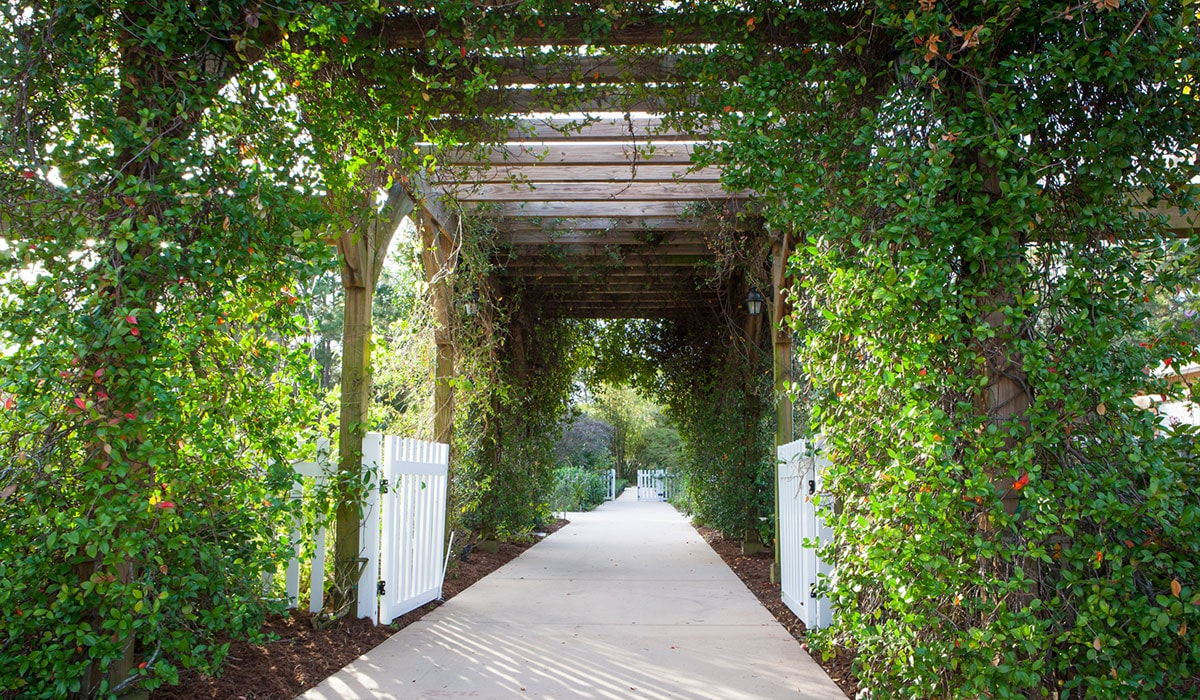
x: 577, y: 489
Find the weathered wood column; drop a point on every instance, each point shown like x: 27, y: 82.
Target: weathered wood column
x: 362, y: 250
x: 781, y: 344
x: 437, y: 257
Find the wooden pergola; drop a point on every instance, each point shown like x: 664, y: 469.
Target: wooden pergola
x: 604, y: 216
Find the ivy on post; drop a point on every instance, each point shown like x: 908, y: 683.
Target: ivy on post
x: 439, y: 257
x: 781, y: 345
x: 362, y: 251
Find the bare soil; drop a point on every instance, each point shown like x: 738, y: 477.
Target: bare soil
x: 755, y: 572
x: 300, y: 657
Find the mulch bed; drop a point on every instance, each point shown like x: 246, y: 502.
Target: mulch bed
x: 301, y: 656
x: 755, y: 572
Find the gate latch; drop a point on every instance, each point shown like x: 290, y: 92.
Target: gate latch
x: 381, y: 588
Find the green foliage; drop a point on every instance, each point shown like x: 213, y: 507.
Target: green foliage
x: 961, y: 178
x: 154, y: 220
x: 719, y: 395
x: 577, y: 489
x: 514, y: 383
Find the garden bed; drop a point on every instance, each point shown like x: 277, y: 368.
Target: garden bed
x: 301, y: 657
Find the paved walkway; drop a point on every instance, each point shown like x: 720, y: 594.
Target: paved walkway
x: 625, y: 602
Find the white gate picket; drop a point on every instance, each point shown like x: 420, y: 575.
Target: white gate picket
x: 368, y: 534
x: 414, y: 510
x: 801, y: 473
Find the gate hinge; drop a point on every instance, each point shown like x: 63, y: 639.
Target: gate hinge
x: 381, y: 588
x: 812, y: 486
x: 812, y: 590
x: 383, y: 486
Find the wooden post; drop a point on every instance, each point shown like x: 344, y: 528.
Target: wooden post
x: 437, y: 251
x: 362, y: 252
x: 751, y: 539
x: 781, y: 344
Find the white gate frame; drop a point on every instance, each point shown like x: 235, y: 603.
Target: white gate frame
x: 801, y: 478
x: 404, y: 526
x: 610, y: 484
x: 655, y: 485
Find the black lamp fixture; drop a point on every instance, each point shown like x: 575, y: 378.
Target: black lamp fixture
x: 754, y: 303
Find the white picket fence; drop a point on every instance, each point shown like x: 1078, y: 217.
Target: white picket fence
x: 403, y: 529
x: 610, y: 484
x: 655, y: 485
x: 802, y: 501
x: 318, y: 470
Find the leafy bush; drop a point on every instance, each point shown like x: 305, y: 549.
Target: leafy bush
x: 577, y: 489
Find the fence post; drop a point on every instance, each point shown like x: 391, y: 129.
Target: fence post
x: 372, y: 458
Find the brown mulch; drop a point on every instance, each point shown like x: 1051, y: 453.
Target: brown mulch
x: 755, y: 572
x: 301, y: 656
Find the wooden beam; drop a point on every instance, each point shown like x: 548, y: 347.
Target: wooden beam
x: 625, y: 172
x: 641, y: 127
x: 549, y: 251
x: 590, y: 191
x: 601, y: 238
x: 560, y: 153
x: 609, y: 262
x: 550, y: 224
x: 598, y: 210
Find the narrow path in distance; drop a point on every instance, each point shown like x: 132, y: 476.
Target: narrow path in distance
x: 625, y: 602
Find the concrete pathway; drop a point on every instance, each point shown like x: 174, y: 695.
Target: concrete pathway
x: 625, y: 602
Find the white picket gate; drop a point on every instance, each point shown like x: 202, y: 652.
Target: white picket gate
x: 610, y: 484
x: 404, y: 528
x: 801, y: 478
x: 655, y: 485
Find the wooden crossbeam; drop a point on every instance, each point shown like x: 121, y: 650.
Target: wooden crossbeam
x: 601, y: 238
x: 598, y: 210
x: 533, y: 174
x: 557, y: 153
x: 641, y: 127
x: 550, y: 224
x: 551, y: 250
x: 590, y: 191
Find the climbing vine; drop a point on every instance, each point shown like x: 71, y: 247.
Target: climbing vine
x: 963, y: 181
x: 973, y: 273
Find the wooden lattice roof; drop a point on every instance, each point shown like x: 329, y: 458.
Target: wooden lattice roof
x: 599, y: 216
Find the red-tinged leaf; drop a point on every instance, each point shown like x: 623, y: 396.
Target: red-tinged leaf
x: 1022, y: 482
x: 8, y: 491
x: 102, y: 395
x: 81, y: 404
x: 99, y: 374
x: 131, y: 320
x: 135, y: 332
x: 164, y: 505
x: 131, y: 416
x: 345, y: 39
x: 10, y: 403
